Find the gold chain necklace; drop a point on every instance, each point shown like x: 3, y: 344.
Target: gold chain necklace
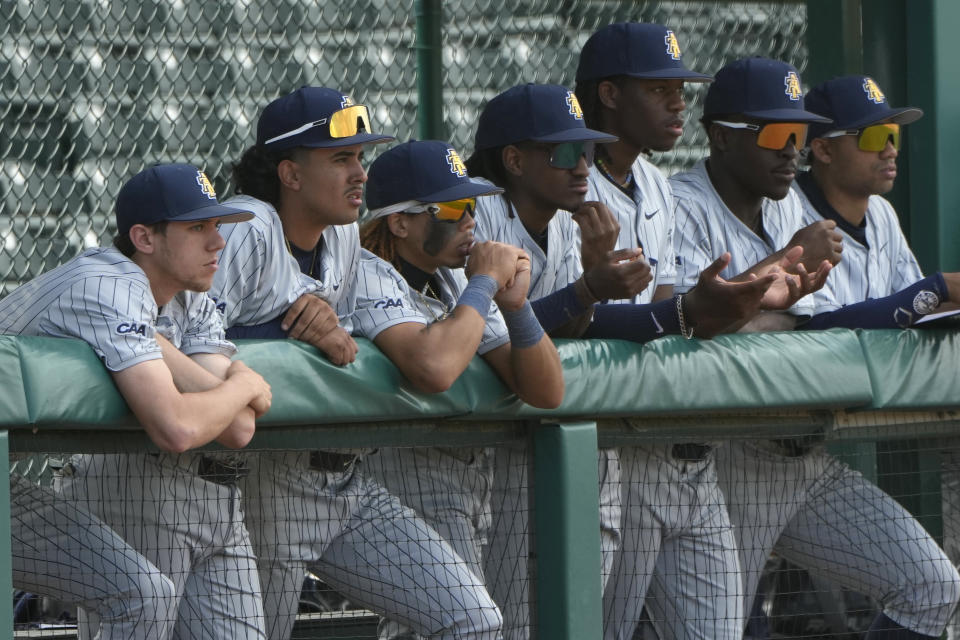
x: 313, y: 259
x: 428, y: 291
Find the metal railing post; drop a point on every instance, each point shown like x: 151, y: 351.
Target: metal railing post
x: 429, y: 46
x: 566, y: 530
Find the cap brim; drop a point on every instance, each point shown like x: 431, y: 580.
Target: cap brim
x: 471, y: 189
x: 577, y: 135
x: 903, y: 115
x: 225, y: 214
x: 786, y: 115
x: 671, y: 74
x: 362, y: 138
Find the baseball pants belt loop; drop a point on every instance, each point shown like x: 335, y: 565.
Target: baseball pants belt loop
x: 213, y: 470
x: 330, y: 461
x: 691, y: 451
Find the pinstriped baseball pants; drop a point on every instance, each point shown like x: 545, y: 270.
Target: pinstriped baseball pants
x: 190, y: 528
x: 821, y: 515
x: 61, y: 551
x: 364, y: 543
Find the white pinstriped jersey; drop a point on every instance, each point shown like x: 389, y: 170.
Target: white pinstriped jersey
x: 385, y: 299
x: 258, y: 279
x: 886, y: 267
x: 646, y: 220
x: 706, y: 228
x: 104, y: 299
x: 551, y: 271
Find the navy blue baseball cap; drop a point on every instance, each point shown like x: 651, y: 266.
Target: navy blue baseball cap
x: 315, y: 117
x: 171, y: 192
x: 420, y: 172
x: 635, y: 49
x: 536, y: 112
x: 854, y: 102
x: 758, y: 88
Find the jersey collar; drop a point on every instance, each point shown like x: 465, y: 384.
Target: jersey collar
x: 814, y: 194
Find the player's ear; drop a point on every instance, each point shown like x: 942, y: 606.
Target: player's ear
x: 821, y: 150
x: 142, y: 238
x: 289, y: 173
x: 608, y: 93
x: 512, y: 159
x: 718, y: 137
x: 398, y: 224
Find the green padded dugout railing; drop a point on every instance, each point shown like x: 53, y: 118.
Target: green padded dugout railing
x: 849, y: 385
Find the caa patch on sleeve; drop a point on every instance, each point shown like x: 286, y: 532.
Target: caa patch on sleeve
x: 387, y: 303
x: 131, y: 327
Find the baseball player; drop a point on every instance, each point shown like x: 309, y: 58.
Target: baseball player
x: 532, y: 141
x: 417, y: 305
x: 789, y: 494
x: 878, y: 284
x: 630, y: 81
x: 853, y: 163
x: 141, y: 308
x: 303, y: 180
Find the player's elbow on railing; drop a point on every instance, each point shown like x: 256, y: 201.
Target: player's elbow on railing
x: 240, y: 432
x: 430, y: 375
x: 173, y: 435
x: 546, y: 397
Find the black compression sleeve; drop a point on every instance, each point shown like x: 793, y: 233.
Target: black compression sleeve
x: 558, y: 308
x: 899, y: 310
x: 636, y: 322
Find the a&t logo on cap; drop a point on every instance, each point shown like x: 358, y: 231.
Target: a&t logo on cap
x: 792, y: 83
x: 873, y: 91
x: 456, y: 164
x: 346, y: 101
x: 205, y: 185
x: 673, y: 47
x: 574, y: 105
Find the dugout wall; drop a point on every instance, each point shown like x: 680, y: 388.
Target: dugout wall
x: 91, y: 91
x: 59, y: 398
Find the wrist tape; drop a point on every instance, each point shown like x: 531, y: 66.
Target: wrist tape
x: 523, y: 327
x: 479, y: 294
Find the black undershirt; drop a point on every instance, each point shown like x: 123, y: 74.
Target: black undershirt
x: 308, y: 260
x: 418, y: 278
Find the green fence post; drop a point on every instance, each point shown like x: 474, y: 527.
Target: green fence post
x: 932, y: 48
x: 566, y: 534
x: 6, y: 577
x: 429, y: 48
x: 833, y: 40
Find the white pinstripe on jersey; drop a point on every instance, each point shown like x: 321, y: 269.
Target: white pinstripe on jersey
x: 706, y: 228
x: 645, y: 220
x: 886, y: 267
x: 258, y: 279
x: 385, y: 299
x: 551, y: 271
x: 104, y: 299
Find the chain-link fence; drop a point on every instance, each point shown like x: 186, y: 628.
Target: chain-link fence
x: 91, y: 91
